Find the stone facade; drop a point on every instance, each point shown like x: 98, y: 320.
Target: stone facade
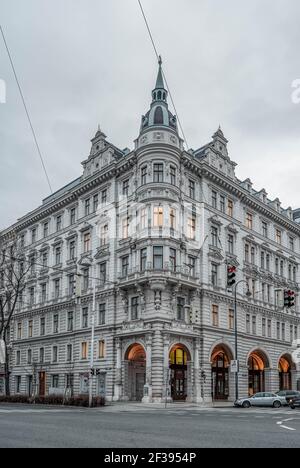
x: 153, y: 230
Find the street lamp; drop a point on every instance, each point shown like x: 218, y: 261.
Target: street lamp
x: 248, y: 294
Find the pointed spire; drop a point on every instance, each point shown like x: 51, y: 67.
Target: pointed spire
x: 160, y: 79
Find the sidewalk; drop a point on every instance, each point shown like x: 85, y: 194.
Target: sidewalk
x: 177, y: 406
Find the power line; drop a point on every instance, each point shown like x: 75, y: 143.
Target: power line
x: 26, y: 109
x: 157, y: 56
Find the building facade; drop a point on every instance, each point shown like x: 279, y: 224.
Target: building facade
x: 152, y: 231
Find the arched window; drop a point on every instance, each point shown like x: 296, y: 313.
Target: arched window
x: 159, y: 95
x: 158, y: 116
x: 164, y: 96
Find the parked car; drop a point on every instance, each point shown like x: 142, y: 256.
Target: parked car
x: 261, y: 399
x: 294, y: 402
x: 289, y: 395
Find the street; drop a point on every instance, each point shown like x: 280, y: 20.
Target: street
x: 139, y: 426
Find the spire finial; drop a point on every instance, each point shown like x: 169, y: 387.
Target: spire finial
x: 159, y: 60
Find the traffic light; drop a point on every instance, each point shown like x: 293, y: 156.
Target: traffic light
x: 98, y: 371
x: 289, y: 298
x: 231, y: 276
x: 92, y: 372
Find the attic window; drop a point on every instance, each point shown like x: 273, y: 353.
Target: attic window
x: 158, y: 116
x: 97, y: 147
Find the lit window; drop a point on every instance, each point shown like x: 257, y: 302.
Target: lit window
x: 215, y: 316
x: 87, y: 242
x: 84, y: 350
x: 191, y: 228
x: 278, y: 236
x: 101, y: 349
x: 249, y: 221
x: 158, y: 216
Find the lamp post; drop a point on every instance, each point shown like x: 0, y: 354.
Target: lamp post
x: 236, y: 334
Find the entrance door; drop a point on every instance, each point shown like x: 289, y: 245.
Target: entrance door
x: 42, y: 384
x: 178, y: 383
x: 220, y: 376
x: 139, y: 389
x: 30, y: 385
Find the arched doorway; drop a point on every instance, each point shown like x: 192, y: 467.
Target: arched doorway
x: 257, y: 363
x: 179, y: 358
x: 136, y: 371
x: 220, y: 361
x: 285, y: 367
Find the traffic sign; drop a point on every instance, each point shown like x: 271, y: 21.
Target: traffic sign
x: 234, y: 367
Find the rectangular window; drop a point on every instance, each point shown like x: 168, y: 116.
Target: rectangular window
x: 215, y: 316
x: 103, y: 235
x: 214, y: 199
x: 72, y: 216
x: 46, y: 229
x: 214, y: 236
x: 231, y: 319
x: 104, y: 196
x: 54, y: 354
x: 144, y: 218
x: 103, y: 272
x: 125, y: 265
x: 102, y: 314
x: 87, y: 206
x: 230, y: 208
x: 87, y: 242
x: 57, y: 288
x: 33, y: 235
x: 86, y: 279
x: 191, y: 228
x: 55, y: 381
x: 72, y: 250
x: 42, y: 326
x: 296, y: 332
x: 85, y: 317
x: 101, y: 349
x: 125, y: 188
x: 29, y: 356
x: 263, y: 327
x: 45, y: 259
x: 84, y: 350
x: 180, y: 309
x: 144, y: 175
x: 283, y: 331
x: 214, y: 274
x: 278, y: 236
x: 158, y: 259
x: 95, y: 202
x: 173, y: 260
x: 58, y: 255
x: 125, y: 228
x: 134, y: 308
x: 173, y: 219
x: 69, y: 353
x: 71, y: 284
x: 264, y: 226
x: 31, y: 296
x: 43, y: 292
x: 230, y: 241
x: 143, y: 259
x: 249, y: 220
x: 248, y: 330
x: 158, y: 172
x: 278, y: 331
x: 269, y: 328
x: 292, y: 244
x: 30, y: 329
x: 42, y: 355
x: 158, y: 216
x: 173, y: 175
x: 222, y: 203
x: 58, y: 223
x: 253, y: 324
x: 191, y: 266
x: 55, y: 323
x: 192, y: 189
x: 70, y: 321
x: 18, y: 358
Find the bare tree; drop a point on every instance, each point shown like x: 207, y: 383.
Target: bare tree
x: 14, y: 270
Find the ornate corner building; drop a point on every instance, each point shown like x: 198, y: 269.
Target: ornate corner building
x: 154, y: 230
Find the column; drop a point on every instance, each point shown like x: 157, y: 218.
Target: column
x: 148, y: 386
x: 197, y: 398
x: 118, y: 381
x: 167, y: 372
x: 157, y: 366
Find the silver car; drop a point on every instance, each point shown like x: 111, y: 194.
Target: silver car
x: 262, y: 399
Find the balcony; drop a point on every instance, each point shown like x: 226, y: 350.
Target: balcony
x: 168, y: 271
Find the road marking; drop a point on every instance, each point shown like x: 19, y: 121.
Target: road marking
x: 288, y: 428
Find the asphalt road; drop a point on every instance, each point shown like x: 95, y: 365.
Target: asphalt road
x: 134, y: 427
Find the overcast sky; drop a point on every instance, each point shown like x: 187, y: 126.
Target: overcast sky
x: 84, y: 62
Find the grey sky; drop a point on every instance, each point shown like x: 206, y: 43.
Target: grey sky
x: 84, y: 62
